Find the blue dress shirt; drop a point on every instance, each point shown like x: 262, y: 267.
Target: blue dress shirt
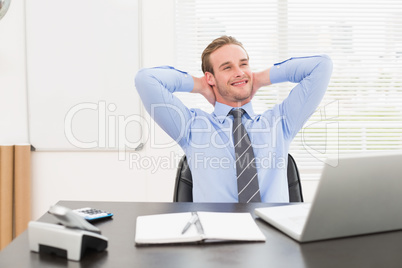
x: 207, y: 138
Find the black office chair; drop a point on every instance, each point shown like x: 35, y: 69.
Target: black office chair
x: 183, y: 189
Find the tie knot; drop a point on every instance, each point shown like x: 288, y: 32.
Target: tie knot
x: 237, y: 113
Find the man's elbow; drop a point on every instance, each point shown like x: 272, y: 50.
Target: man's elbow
x: 141, y: 78
x: 326, y: 63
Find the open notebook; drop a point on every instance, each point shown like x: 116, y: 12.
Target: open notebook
x: 359, y: 196
x: 212, y: 226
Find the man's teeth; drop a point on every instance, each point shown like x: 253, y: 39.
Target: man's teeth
x: 239, y: 83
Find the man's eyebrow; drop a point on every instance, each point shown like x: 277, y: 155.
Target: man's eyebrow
x: 223, y: 64
x: 228, y: 62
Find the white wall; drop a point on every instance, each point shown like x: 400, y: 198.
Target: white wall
x: 92, y: 175
x: 88, y: 175
x: 102, y: 175
x: 13, y: 102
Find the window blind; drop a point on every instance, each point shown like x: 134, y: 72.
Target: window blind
x: 362, y: 109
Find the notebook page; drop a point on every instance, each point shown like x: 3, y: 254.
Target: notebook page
x: 230, y: 226
x: 165, y: 228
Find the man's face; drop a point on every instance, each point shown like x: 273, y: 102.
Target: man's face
x: 232, y: 80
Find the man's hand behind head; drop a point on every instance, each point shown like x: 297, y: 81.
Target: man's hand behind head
x: 260, y: 79
x: 202, y: 87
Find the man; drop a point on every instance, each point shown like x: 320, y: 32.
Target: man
x: 207, y: 140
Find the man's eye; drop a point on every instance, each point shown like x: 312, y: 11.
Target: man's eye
x: 226, y: 68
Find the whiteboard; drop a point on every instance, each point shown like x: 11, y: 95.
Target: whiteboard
x: 82, y: 57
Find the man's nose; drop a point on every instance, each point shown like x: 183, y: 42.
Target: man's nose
x: 238, y: 71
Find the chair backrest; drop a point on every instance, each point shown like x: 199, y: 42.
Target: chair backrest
x: 183, y: 189
x: 294, y: 184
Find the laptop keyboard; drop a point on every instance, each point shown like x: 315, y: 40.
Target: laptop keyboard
x: 292, y: 217
x: 296, y: 217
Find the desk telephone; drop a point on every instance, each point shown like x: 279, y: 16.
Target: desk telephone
x: 70, y: 240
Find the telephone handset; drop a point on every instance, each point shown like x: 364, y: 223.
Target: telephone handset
x: 71, y: 219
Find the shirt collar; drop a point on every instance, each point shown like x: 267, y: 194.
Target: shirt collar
x: 221, y: 111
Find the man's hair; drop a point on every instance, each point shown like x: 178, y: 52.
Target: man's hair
x: 213, y: 46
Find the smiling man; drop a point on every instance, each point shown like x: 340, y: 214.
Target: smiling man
x: 234, y: 154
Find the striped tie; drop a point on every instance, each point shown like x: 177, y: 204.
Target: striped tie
x: 247, y: 179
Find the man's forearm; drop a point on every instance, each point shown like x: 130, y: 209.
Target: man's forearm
x: 318, y: 68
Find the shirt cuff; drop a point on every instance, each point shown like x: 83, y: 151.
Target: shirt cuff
x: 277, y: 74
x: 187, y: 83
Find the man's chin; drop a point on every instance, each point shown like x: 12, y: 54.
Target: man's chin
x: 242, y: 99
x: 237, y: 94
x: 243, y: 93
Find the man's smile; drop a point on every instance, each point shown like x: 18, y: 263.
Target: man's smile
x: 240, y: 83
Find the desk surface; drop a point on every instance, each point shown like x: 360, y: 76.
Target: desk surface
x: 377, y: 250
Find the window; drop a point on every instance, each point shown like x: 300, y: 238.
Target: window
x: 362, y: 108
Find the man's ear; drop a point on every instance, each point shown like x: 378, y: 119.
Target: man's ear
x: 210, y: 79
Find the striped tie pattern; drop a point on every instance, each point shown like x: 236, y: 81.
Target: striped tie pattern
x: 247, y: 179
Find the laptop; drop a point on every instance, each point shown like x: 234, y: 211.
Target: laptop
x: 361, y: 195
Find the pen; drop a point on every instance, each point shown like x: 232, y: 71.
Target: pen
x: 192, y: 220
